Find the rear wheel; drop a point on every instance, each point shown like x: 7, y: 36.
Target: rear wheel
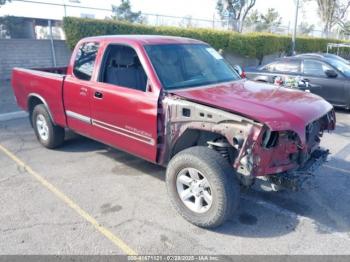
x: 48, y: 134
x: 202, y: 186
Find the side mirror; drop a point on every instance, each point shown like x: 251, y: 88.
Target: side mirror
x: 331, y: 73
x: 304, y: 84
x: 239, y: 70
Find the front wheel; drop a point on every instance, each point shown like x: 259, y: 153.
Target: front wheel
x: 202, y: 186
x: 48, y: 134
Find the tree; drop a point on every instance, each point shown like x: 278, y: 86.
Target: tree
x: 332, y: 12
x: 187, y: 22
x: 342, y: 15
x: 264, y: 22
x: 253, y: 19
x: 305, y: 28
x: 345, y: 28
x: 2, y: 2
x: 270, y: 20
x: 123, y: 12
x: 234, y: 12
x: 12, y: 26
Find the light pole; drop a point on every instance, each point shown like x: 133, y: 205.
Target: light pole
x: 64, y: 8
x: 295, y: 27
x: 53, y: 52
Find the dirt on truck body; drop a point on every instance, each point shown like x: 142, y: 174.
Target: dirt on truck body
x: 176, y: 102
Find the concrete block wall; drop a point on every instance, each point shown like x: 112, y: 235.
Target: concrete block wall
x: 30, y: 53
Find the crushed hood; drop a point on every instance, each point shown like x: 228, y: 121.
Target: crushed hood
x: 277, y: 107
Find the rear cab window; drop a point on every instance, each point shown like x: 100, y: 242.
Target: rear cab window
x: 85, y: 60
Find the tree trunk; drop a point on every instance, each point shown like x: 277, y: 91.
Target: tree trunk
x: 235, y: 25
x: 240, y: 26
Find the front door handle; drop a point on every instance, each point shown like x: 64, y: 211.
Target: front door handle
x: 98, y: 95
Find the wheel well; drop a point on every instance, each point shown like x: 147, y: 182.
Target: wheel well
x: 194, y: 137
x: 33, y: 101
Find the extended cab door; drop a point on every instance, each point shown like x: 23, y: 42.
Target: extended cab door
x: 331, y: 88
x: 78, y: 88
x: 123, y: 108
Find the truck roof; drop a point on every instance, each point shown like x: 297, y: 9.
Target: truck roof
x: 144, y: 39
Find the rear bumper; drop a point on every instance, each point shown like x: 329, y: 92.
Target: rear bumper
x: 300, y: 178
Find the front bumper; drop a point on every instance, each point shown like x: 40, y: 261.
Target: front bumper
x: 300, y: 178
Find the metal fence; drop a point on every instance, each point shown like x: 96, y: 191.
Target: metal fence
x: 288, y: 30
x: 78, y: 10
x: 185, y: 21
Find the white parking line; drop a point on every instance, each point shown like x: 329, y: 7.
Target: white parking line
x: 337, y: 169
x: 69, y: 202
x: 13, y: 115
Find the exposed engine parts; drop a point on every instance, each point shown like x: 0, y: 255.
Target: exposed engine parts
x: 299, y: 179
x: 210, y: 124
x: 252, y: 149
x: 221, y: 146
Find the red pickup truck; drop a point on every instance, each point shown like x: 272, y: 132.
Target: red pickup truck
x: 177, y: 103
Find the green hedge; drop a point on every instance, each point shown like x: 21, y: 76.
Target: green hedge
x: 254, y: 45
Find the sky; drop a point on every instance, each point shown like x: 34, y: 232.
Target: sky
x: 204, y: 9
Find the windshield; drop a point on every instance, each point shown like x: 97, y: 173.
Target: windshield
x: 189, y: 65
x: 339, y: 58
x: 342, y: 67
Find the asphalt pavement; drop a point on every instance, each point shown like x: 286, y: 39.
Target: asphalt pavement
x: 87, y: 198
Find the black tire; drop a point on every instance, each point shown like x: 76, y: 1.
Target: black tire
x: 224, y: 185
x: 55, y: 133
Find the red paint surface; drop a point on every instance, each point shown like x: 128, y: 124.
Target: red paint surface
x: 279, y: 108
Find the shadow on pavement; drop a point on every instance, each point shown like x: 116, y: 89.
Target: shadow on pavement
x: 136, y: 165
x: 77, y: 143
x: 326, y: 207
x: 261, y: 214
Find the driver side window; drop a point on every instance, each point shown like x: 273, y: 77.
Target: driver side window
x: 123, y: 68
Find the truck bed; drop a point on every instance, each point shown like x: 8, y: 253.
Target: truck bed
x: 53, y: 70
x: 45, y: 84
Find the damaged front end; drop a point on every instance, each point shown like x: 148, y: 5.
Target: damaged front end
x: 301, y: 177
x: 284, y: 158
